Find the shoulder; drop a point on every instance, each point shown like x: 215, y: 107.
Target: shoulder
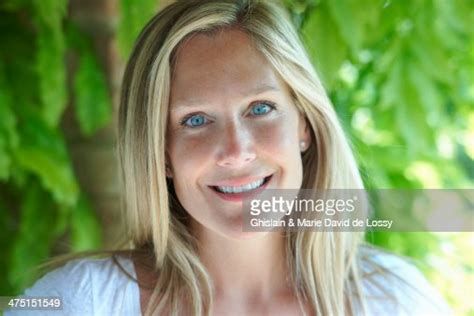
x: 393, y: 285
x: 91, y: 286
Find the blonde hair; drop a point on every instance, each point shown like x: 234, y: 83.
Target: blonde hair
x: 324, y: 266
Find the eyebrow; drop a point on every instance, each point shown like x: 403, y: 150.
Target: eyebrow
x: 253, y: 92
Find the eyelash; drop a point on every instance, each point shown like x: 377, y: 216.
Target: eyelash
x: 269, y: 104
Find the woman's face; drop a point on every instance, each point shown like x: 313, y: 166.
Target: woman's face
x: 233, y: 130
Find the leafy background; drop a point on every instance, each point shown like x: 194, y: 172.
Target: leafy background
x: 400, y: 74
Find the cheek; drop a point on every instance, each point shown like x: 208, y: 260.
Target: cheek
x: 189, y: 149
x: 280, y: 145
x: 188, y: 156
x: 277, y: 137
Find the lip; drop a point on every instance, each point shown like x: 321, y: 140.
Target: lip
x: 239, y: 197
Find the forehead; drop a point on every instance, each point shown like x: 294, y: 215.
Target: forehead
x: 221, y: 65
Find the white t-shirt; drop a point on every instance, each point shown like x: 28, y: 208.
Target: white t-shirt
x: 100, y: 287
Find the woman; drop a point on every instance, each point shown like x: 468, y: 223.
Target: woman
x: 219, y: 99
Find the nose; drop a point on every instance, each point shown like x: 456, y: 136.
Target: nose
x: 236, y: 147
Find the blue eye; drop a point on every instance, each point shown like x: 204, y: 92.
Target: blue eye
x: 195, y: 120
x: 261, y: 109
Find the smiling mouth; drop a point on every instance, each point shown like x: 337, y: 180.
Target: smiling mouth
x: 242, y: 188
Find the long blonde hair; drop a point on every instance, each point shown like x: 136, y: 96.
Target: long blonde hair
x: 324, y: 266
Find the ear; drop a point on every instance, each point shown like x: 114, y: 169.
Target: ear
x: 304, y: 133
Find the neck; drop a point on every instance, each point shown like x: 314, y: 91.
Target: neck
x: 246, y: 269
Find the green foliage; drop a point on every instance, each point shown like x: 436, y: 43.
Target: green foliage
x: 400, y: 74
x: 50, y: 64
x: 40, y: 199
x: 8, y: 132
x: 93, y: 108
x: 43, y: 153
x: 133, y: 16
x: 85, y: 233
x: 35, y: 235
x: 324, y: 43
x: 397, y: 74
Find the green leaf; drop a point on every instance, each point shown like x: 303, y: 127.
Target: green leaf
x: 85, y: 227
x: 343, y: 14
x: 429, y: 55
x: 411, y: 116
x: 390, y: 94
x: 50, y: 58
x: 35, y: 237
x: 428, y: 95
x: 92, y: 102
x: 51, y: 72
x: 388, y: 55
x: 50, y: 12
x: 454, y: 22
x: 17, y: 51
x: 8, y: 133
x: 93, y: 106
x: 134, y: 14
x: 42, y: 151
x: 325, y: 45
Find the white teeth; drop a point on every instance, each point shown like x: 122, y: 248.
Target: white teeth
x: 242, y: 188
